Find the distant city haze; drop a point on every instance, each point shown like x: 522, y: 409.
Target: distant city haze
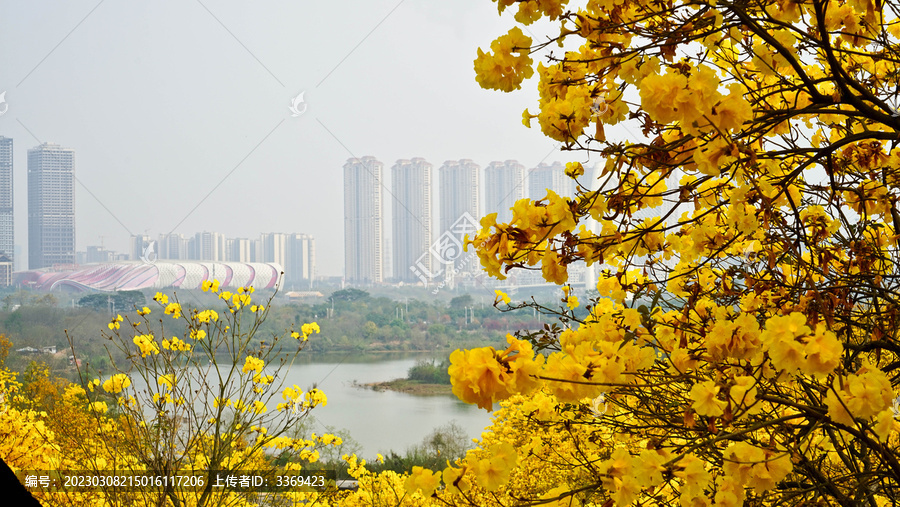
x: 187, y: 116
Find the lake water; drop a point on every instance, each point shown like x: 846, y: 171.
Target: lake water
x: 379, y: 421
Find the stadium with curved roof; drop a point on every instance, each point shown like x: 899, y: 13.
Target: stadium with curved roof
x: 157, y: 275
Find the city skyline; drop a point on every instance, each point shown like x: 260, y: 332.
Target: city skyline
x: 411, y: 234
x: 194, y: 130
x: 426, y: 246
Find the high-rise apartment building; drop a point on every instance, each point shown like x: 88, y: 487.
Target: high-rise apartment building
x: 51, y: 206
x: 552, y: 177
x: 504, y: 184
x: 6, y: 271
x: 363, y: 219
x: 143, y: 248
x: 459, y: 192
x: 411, y: 182
x: 274, y: 247
x: 98, y: 255
x: 300, y: 261
x: 172, y: 247
x: 7, y: 236
x: 239, y: 250
x: 460, y: 209
x: 207, y: 246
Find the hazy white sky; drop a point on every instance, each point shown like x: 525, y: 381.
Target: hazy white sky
x: 168, y: 101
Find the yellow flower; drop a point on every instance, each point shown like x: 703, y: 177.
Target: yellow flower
x: 174, y: 309
x: 144, y: 311
x: 176, y: 344
x: 308, y: 329
x: 501, y: 296
x: 167, y: 380
x: 862, y: 396
x: 705, y: 399
x: 161, y: 298
x: 610, y: 287
x: 552, y: 269
x: 526, y: 118
x: 99, y: 406
x: 316, y: 397
x: 422, y: 480
x: 210, y: 285
x: 253, y: 364
x: 292, y: 394
x: 239, y: 300
x: 631, y: 318
x: 146, y: 344
x: 206, y: 316
x: 494, y: 470
x: 692, y: 471
x: 502, y: 69
x: 114, y: 324
x: 823, y: 352
x: 574, y: 169
x: 455, y: 478
x: 484, y: 375
x: 754, y: 467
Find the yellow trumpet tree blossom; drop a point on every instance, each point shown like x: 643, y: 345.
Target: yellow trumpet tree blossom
x: 743, y: 221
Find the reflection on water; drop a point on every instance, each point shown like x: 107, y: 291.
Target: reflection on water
x: 379, y: 421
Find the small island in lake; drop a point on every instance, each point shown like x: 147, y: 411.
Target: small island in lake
x: 426, y: 378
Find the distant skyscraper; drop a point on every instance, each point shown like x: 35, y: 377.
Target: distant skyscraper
x: 459, y: 193
x: 207, y: 246
x: 300, y: 261
x: 363, y: 218
x: 460, y: 210
x: 6, y: 271
x: 172, y: 247
x: 274, y: 247
x: 504, y: 184
x: 7, y: 236
x: 256, y: 250
x: 98, y: 254
x: 239, y: 250
x: 143, y: 248
x: 51, y: 206
x: 552, y: 177
x: 412, y: 236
